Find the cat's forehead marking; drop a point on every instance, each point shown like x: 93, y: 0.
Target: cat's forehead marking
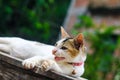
x: 67, y: 39
x: 62, y: 41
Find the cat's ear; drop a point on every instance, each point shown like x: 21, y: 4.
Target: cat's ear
x: 78, y: 41
x: 64, y: 34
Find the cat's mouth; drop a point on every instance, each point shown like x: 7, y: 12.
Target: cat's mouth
x: 59, y: 58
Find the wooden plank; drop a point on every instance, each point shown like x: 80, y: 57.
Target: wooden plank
x: 10, y: 72
x: 11, y: 69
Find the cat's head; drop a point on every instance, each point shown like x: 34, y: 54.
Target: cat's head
x: 70, y: 49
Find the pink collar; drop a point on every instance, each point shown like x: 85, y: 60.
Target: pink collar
x: 72, y: 63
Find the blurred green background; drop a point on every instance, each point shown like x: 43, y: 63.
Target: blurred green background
x: 32, y: 19
x: 40, y: 20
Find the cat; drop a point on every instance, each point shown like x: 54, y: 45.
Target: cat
x: 67, y: 56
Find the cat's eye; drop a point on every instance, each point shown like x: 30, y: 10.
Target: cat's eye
x: 64, y: 48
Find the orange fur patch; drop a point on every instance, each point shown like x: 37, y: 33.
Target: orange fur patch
x: 71, y: 48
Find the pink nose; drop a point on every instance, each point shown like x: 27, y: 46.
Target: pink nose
x: 54, y: 51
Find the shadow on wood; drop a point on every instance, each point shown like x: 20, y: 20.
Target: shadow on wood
x: 11, y: 69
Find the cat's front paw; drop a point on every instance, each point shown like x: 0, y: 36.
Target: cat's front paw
x: 29, y: 64
x: 46, y: 65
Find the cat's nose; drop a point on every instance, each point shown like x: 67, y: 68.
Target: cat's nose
x: 54, y: 51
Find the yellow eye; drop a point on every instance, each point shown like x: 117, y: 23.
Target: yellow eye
x: 64, y: 48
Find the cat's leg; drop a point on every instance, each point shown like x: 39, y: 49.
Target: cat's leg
x: 42, y: 63
x: 30, y: 63
x: 48, y: 64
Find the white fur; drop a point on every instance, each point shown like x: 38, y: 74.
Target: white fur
x: 24, y: 49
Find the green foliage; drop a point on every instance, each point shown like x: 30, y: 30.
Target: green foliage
x: 85, y: 21
x: 32, y: 19
x: 103, y: 44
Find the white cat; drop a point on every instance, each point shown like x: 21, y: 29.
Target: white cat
x: 67, y: 56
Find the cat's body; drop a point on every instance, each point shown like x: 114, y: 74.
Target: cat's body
x: 24, y: 49
x: 67, y: 56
